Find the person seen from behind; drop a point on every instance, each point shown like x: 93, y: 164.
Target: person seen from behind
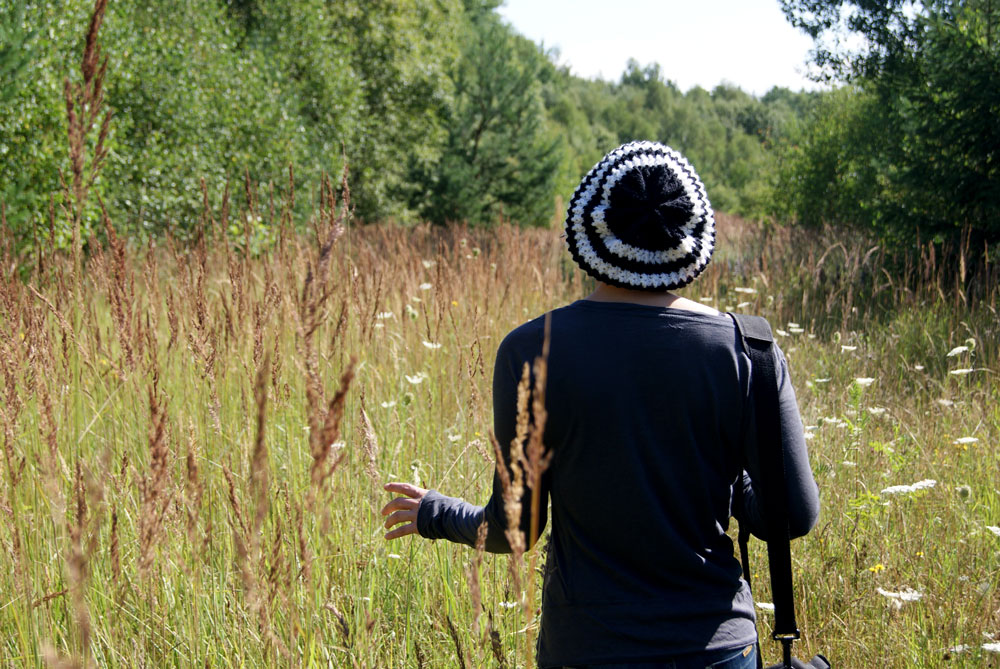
x: 651, y: 434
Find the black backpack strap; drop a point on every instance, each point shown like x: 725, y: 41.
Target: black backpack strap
x: 758, y: 341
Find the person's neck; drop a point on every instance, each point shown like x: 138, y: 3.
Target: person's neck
x: 607, y: 293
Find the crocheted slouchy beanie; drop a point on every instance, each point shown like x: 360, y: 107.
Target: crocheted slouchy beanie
x: 640, y: 219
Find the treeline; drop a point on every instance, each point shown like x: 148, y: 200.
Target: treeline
x: 441, y: 110
x: 910, y: 148
x: 444, y: 113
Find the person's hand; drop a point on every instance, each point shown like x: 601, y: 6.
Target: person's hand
x: 403, y: 509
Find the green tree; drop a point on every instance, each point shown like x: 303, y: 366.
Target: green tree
x: 498, y: 157
x: 932, y: 72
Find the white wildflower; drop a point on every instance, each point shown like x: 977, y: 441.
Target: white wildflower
x: 864, y: 381
x: 389, y: 404
x: 428, y: 263
x: 919, y: 368
x: 765, y: 606
x: 823, y: 380
x: 781, y: 332
x: 994, y: 529
x: 961, y: 372
x: 508, y: 605
x: 902, y: 489
x: 337, y: 445
x: 706, y: 300
x: 432, y: 345
x: 965, y: 440
x: 382, y: 315
x: 425, y: 286
x: 743, y: 305
x: 748, y: 291
x: 945, y: 403
x: 955, y: 351
x: 416, y: 378
x: 454, y: 437
x: 849, y: 463
x: 792, y: 325
x: 844, y: 348
x: 904, y: 595
x: 876, y: 411
x: 796, y: 331
x: 394, y: 556
x: 961, y: 648
x: 991, y: 647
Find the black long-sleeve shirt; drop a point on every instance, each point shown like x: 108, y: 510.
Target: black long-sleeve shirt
x: 650, y: 425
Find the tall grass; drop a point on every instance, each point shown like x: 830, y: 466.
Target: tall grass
x: 193, y: 445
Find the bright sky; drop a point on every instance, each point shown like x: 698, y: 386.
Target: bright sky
x: 696, y: 42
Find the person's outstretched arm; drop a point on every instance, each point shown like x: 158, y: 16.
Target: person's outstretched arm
x: 803, y: 495
x: 437, y: 516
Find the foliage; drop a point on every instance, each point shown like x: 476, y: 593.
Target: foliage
x: 921, y: 127
x: 442, y: 111
x: 498, y: 160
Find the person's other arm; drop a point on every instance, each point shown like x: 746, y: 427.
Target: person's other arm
x: 800, y: 486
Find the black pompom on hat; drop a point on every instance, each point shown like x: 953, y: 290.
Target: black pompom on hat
x: 640, y: 219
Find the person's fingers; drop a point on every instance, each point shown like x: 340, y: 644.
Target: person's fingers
x: 405, y: 489
x: 401, y: 531
x: 398, y: 517
x: 400, y: 503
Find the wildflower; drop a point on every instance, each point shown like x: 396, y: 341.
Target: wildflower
x: 454, y: 437
x: 407, y: 399
x: 382, y: 315
x: 417, y: 378
x: 900, y: 489
x: 876, y: 411
x: 905, y: 595
x: 706, y: 300
x: 961, y: 372
x: 796, y: 330
x: 765, y: 606
x: 955, y: 351
x: 428, y: 263
x: 994, y: 529
x: 864, y: 381
x: 945, y: 403
x: 394, y: 556
x: 781, y: 332
x: 432, y: 345
x: 792, y: 326
x: 454, y: 303
x: 991, y: 647
x: 920, y: 553
x: 849, y: 463
x: 810, y: 435
x: 919, y: 368
x: 425, y: 286
x: 508, y: 605
x: 748, y: 291
x: 876, y: 568
x: 844, y: 348
x: 965, y: 440
x: 743, y: 305
x: 964, y: 492
x: 389, y: 404
x: 411, y: 312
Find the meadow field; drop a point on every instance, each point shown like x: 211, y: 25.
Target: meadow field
x: 195, y: 439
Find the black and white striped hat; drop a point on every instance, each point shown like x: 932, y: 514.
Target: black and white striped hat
x: 641, y: 219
